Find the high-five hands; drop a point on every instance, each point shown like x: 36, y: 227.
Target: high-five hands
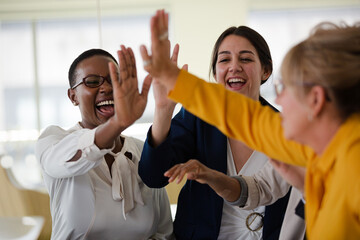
x: 160, y: 91
x: 129, y: 104
x: 159, y: 65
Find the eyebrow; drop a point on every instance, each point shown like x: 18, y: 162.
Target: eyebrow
x: 241, y: 52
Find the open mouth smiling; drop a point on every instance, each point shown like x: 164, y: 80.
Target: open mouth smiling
x: 236, y: 83
x: 106, y: 107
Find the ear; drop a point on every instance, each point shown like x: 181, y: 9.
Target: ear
x: 265, y: 74
x: 316, y: 100
x: 72, y: 96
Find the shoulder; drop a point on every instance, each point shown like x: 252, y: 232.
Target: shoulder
x: 56, y: 130
x: 52, y: 130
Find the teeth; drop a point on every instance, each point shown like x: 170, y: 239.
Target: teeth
x: 235, y: 80
x: 109, y: 102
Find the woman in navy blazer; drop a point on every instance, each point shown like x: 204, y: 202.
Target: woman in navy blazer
x: 241, y: 62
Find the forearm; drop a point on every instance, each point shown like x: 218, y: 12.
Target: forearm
x: 226, y: 187
x: 161, y: 126
x: 56, y: 147
x: 107, y: 133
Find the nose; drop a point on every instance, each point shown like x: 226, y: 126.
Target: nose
x: 106, y: 87
x: 235, y: 66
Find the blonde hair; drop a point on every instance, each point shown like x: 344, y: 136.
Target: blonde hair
x: 329, y: 57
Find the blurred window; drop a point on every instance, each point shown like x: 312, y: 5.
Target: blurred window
x: 284, y: 28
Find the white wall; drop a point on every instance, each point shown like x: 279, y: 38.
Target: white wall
x: 195, y: 24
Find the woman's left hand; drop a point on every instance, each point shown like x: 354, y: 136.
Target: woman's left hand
x: 129, y: 104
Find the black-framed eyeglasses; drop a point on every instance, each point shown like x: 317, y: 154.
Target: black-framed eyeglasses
x: 93, y: 81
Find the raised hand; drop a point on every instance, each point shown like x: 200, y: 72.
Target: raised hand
x: 129, y: 104
x: 159, y: 64
x: 160, y: 92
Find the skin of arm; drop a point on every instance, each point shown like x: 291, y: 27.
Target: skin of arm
x: 164, y: 108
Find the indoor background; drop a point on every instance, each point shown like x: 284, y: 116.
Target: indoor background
x: 40, y: 38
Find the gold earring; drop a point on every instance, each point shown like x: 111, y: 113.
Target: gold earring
x: 74, y: 103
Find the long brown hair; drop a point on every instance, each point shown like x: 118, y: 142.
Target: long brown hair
x: 254, y: 38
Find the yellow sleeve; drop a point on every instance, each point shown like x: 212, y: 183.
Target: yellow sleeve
x: 238, y: 117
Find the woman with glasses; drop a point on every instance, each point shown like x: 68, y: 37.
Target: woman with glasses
x: 90, y: 170
x: 319, y: 126
x: 241, y: 62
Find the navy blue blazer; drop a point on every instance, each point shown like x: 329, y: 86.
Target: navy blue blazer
x: 199, y: 208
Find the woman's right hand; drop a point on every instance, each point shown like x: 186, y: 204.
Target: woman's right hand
x: 193, y: 169
x: 129, y: 104
x: 226, y: 187
x: 164, y: 107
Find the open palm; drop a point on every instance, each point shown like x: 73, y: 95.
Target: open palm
x: 129, y: 104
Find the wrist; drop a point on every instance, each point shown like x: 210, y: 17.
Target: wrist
x: 161, y: 126
x: 170, y: 76
x: 116, y: 127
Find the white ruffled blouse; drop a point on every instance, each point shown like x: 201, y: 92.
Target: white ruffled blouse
x: 87, y: 202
